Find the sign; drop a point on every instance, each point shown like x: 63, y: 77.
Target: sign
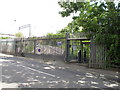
x: 59, y: 43
x: 39, y: 50
x: 74, y: 47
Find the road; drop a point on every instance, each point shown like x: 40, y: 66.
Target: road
x: 22, y: 72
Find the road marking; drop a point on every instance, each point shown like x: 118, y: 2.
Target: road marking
x: 38, y: 71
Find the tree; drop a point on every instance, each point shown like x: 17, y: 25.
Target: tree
x: 101, y: 20
x: 4, y: 37
x: 19, y: 35
x: 71, y: 27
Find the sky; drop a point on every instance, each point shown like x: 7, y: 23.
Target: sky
x: 42, y: 15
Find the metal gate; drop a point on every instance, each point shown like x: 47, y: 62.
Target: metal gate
x: 78, y: 48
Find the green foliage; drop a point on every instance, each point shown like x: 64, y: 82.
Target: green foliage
x: 102, y: 22
x: 19, y: 35
x: 29, y: 47
x: 71, y: 27
x: 57, y: 35
x: 4, y: 37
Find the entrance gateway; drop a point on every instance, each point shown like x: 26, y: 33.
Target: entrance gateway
x: 77, y: 49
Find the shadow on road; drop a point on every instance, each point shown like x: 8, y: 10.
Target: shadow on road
x: 14, y: 75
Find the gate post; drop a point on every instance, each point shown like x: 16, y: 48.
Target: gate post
x: 16, y: 47
x: 91, y: 54
x: 81, y: 47
x: 34, y: 46
x: 67, y: 48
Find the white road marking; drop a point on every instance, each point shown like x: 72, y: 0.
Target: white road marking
x: 3, y: 60
x: 38, y: 71
x: 8, y: 85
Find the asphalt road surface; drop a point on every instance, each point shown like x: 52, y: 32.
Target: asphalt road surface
x: 21, y: 72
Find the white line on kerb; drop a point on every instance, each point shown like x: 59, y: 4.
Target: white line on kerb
x: 38, y: 71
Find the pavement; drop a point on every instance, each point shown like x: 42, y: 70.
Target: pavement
x: 24, y: 72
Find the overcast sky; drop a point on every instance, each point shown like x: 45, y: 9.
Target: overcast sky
x: 41, y: 14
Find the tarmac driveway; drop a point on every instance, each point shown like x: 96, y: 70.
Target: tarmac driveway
x: 22, y: 72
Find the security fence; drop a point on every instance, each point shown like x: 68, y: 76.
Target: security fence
x: 45, y: 48
x: 58, y: 47
x: 50, y: 48
x: 98, y: 55
x: 70, y: 47
x: 7, y: 46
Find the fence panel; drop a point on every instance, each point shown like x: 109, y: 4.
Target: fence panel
x: 50, y: 48
x: 7, y: 46
x: 10, y: 47
x: 97, y: 55
x: 28, y: 46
